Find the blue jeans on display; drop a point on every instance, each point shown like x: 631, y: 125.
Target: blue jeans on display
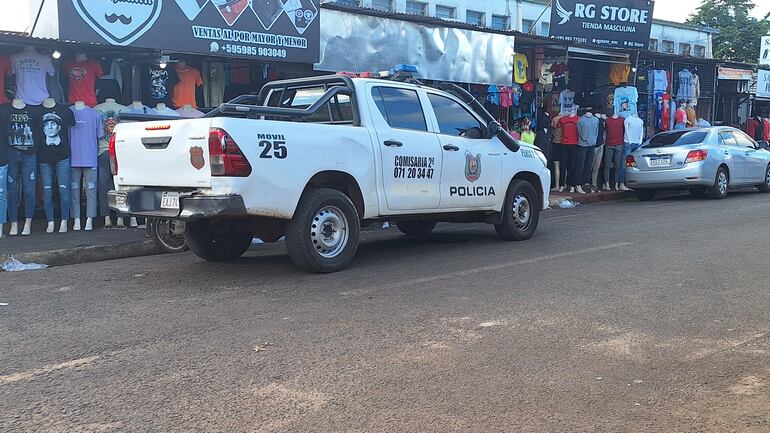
x: 89, y: 174
x: 21, y: 170
x: 60, y: 172
x: 3, y: 194
x: 628, y: 149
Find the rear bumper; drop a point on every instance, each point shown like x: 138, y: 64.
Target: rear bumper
x: 146, y: 202
x: 690, y: 176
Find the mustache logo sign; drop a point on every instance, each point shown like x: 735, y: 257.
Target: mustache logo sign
x: 119, y: 22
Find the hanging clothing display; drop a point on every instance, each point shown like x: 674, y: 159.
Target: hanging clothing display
x: 685, y: 89
x: 516, y: 93
x: 659, y: 80
x: 493, y: 95
x: 213, y: 83
x: 23, y: 128
x: 110, y: 85
x: 615, y: 131
x: 567, y: 102
x: 157, y: 84
x: 553, y: 103
x: 506, y: 96
x: 30, y: 69
x: 619, y: 73
x: 55, y: 89
x: 569, y: 134
x: 546, y: 76
x: 6, y: 70
x: 108, y: 111
x: 542, y: 133
x: 184, y: 90
x: 528, y: 95
x: 694, y: 90
x: 82, y: 76
x: 626, y: 99
x: 520, y: 65
x: 559, y: 71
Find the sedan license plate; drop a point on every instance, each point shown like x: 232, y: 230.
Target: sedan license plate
x: 660, y: 162
x: 169, y: 200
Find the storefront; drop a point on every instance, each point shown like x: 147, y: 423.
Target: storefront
x: 733, y: 101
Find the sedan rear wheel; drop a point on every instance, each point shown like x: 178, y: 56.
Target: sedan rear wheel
x: 765, y: 187
x: 722, y: 181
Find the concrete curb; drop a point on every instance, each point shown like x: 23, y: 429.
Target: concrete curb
x: 72, y: 256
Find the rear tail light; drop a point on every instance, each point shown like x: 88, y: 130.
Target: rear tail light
x: 113, y: 156
x: 225, y: 156
x: 630, y: 161
x: 695, y: 156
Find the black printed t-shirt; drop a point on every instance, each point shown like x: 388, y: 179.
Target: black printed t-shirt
x: 158, y: 85
x: 22, y: 128
x: 54, y: 139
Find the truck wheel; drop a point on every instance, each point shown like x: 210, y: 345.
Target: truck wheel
x: 323, y: 235
x: 416, y: 228
x: 521, y: 212
x: 216, y: 242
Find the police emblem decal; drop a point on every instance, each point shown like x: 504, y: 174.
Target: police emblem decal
x: 472, y: 166
x: 196, y: 157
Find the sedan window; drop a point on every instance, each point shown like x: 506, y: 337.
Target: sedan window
x: 726, y: 138
x: 744, y: 140
x: 677, y: 138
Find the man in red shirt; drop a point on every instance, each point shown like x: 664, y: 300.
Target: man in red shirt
x: 766, y: 129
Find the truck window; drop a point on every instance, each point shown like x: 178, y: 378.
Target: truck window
x: 400, y: 107
x: 454, y: 119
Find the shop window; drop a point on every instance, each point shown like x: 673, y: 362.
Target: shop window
x: 475, y: 18
x: 653, y: 45
x: 382, y: 5
x: 500, y: 22
x: 667, y: 47
x: 446, y: 12
x: 684, y: 49
x: 400, y: 107
x: 453, y: 119
x: 416, y: 8
x: 526, y: 25
x: 545, y: 29
x: 699, y: 51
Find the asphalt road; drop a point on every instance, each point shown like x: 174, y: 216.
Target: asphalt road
x: 619, y: 317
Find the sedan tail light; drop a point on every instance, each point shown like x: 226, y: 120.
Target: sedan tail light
x: 630, y: 161
x: 695, y: 156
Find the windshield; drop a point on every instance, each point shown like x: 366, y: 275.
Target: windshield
x: 678, y: 138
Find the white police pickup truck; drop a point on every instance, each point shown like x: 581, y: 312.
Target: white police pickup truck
x: 315, y: 159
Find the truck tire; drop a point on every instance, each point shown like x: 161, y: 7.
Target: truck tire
x: 323, y: 235
x: 521, y: 212
x: 416, y: 228
x: 216, y: 242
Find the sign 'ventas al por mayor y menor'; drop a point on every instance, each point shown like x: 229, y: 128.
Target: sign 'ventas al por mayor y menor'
x: 614, y: 23
x: 278, y: 30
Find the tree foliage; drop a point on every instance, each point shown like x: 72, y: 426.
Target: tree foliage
x: 739, y: 33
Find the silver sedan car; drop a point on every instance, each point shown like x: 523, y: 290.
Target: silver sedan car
x: 707, y: 161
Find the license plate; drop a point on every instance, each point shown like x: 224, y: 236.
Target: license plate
x: 657, y: 162
x: 169, y: 200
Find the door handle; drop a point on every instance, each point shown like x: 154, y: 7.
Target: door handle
x: 393, y: 143
x: 451, y: 147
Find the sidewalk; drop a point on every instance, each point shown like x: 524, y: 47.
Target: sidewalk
x: 59, y: 249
